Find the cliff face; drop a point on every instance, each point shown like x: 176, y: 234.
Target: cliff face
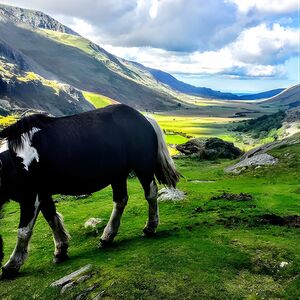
x: 35, y: 19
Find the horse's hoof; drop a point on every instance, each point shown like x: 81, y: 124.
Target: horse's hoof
x: 9, y: 273
x: 60, y: 258
x: 105, y: 243
x: 149, y: 232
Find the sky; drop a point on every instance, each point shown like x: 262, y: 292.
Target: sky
x: 227, y: 45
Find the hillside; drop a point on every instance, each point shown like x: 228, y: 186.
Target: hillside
x: 288, y: 98
x: 37, y: 43
x: 263, y: 95
x: 21, y: 90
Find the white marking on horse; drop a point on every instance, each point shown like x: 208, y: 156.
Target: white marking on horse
x: 3, y: 146
x: 26, y: 151
x: 60, y: 235
x: 20, y: 252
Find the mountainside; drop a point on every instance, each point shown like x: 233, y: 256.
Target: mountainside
x: 34, y: 42
x: 262, y: 95
x: 183, y: 87
x: 45, y: 52
x: 288, y: 98
x: 21, y: 90
x: 35, y: 19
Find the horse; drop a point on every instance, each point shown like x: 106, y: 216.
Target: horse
x: 74, y: 155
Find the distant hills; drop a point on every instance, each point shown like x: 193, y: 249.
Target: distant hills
x: 47, y: 66
x: 290, y: 98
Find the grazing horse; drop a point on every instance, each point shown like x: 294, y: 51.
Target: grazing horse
x: 81, y: 154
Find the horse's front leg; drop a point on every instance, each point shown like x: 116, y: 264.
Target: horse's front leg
x: 29, y: 212
x: 60, y: 234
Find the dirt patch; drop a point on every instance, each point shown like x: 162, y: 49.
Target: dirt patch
x: 233, y: 197
x: 290, y: 221
x: 266, y: 219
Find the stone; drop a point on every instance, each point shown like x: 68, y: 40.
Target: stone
x: 85, y: 292
x: 210, y: 149
x: 283, y: 264
x: 92, y: 222
x: 71, y: 277
x: 253, y: 161
x: 170, y: 194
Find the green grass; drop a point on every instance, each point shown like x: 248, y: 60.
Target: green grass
x: 197, y: 253
x: 97, y: 100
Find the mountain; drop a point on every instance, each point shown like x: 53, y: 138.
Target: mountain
x: 34, y: 42
x: 186, y: 88
x: 47, y: 66
x: 35, y: 19
x: 288, y: 98
x: 183, y: 87
x: 263, y: 95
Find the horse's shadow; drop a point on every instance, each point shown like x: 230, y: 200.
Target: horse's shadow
x: 120, y: 245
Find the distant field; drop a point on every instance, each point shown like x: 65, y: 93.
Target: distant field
x: 180, y: 129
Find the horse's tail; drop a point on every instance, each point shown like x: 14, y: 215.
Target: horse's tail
x: 165, y: 171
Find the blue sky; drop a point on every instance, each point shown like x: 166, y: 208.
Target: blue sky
x: 228, y: 45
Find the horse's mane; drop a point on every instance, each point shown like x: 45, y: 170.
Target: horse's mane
x: 13, y: 133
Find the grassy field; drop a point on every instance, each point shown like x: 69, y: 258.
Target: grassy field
x: 204, y: 249
x: 179, y: 129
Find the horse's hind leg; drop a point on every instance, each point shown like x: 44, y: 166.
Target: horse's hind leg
x: 120, y: 198
x: 151, y: 192
x: 29, y: 211
x: 60, y: 235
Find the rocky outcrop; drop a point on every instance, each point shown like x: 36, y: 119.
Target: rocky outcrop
x: 33, y: 18
x: 210, y: 149
x: 254, y: 161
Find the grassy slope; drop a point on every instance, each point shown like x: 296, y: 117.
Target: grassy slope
x: 98, y: 100
x: 193, y: 256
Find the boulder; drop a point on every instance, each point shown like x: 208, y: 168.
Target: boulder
x: 252, y: 161
x: 170, y: 194
x: 212, y: 148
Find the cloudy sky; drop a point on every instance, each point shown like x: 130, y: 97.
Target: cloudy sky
x: 229, y: 45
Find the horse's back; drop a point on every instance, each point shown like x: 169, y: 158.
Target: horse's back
x: 97, y: 146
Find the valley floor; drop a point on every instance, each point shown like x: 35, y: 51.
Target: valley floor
x: 204, y: 249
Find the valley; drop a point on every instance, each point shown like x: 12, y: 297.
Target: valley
x: 234, y: 235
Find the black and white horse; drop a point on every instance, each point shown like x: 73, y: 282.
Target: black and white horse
x: 42, y: 156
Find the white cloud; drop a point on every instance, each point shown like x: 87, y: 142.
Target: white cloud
x: 274, y: 6
x: 257, y: 52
